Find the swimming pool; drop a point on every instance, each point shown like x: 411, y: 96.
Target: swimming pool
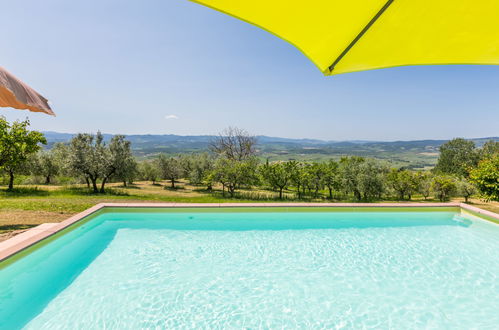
x: 258, y: 268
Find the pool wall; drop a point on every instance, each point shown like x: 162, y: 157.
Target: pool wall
x: 20, y: 245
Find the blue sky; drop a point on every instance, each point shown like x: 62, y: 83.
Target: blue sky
x: 175, y: 67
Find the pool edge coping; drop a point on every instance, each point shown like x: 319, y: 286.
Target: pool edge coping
x: 21, y: 242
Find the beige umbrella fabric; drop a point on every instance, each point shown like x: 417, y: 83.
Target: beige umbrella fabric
x: 16, y: 94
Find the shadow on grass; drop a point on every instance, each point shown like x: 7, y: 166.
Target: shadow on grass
x: 175, y: 188
x: 24, y: 191
x: 84, y: 191
x: 202, y: 190
x: 130, y: 186
x: 6, y: 228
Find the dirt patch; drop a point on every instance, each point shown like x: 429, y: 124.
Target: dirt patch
x: 13, y: 222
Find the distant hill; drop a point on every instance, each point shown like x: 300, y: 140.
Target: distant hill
x: 413, y: 154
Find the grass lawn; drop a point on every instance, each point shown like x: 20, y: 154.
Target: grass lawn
x: 29, y: 206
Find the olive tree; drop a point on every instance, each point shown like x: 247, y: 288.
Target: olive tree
x: 95, y: 160
x: 314, y: 177
x: 124, y: 163
x: 171, y: 168
x: 424, y: 181
x: 233, y: 173
x: 46, y: 164
x: 404, y: 182
x: 278, y: 174
x: 350, y: 169
x: 149, y: 171
x: 443, y: 186
x: 465, y: 189
x: 298, y: 178
x: 371, y: 179
x: 331, y: 178
x: 197, y: 168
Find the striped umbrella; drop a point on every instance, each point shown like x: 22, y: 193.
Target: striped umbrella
x: 16, y: 94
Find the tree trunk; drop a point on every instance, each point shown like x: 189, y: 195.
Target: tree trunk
x: 124, y: 183
x: 47, y: 179
x: 173, y: 183
x: 280, y: 192
x: 330, y: 193
x: 466, y: 199
x: 223, y: 189
x: 102, y: 185
x: 88, y: 182
x: 94, y: 185
x: 11, y: 180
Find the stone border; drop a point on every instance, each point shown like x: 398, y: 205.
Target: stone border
x: 34, y: 235
x: 479, y: 211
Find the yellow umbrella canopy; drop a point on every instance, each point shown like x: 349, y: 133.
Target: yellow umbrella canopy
x: 355, y: 35
x: 16, y: 94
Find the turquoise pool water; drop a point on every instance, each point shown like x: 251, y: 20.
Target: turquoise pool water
x: 342, y: 270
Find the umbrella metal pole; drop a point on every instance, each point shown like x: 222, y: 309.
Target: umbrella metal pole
x: 364, y: 30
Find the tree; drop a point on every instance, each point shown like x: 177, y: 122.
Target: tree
x: 486, y: 177
x: 331, y: 177
x: 457, y: 157
x: 403, y: 182
x: 424, y: 181
x: 171, y: 168
x: 278, y: 174
x: 90, y: 157
x: 149, y: 171
x: 465, y: 189
x: 233, y: 173
x: 489, y: 149
x: 46, y: 164
x: 234, y: 144
x: 298, y: 178
x: 17, y: 145
x: 350, y: 169
x: 87, y: 157
x: 314, y: 174
x: 371, y: 179
x: 123, y: 162
x: 443, y: 186
x: 198, y: 167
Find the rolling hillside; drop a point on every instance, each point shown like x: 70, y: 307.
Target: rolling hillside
x: 413, y: 154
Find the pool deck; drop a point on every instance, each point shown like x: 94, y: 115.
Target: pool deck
x: 34, y: 235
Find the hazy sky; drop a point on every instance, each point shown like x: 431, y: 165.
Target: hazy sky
x: 175, y: 67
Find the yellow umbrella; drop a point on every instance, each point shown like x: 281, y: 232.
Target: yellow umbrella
x: 16, y: 94
x: 354, y: 35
